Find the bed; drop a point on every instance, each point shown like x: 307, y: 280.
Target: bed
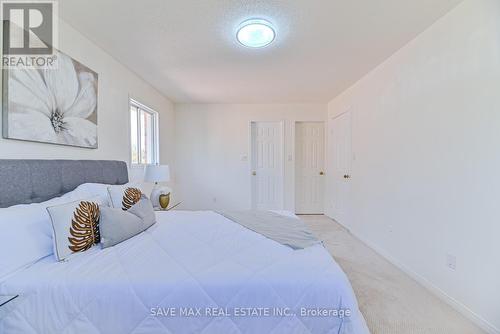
x: 191, y: 272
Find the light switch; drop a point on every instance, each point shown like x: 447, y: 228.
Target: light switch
x: 451, y: 261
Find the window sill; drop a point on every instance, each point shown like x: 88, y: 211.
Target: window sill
x: 137, y: 166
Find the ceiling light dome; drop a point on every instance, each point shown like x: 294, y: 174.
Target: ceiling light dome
x: 255, y: 33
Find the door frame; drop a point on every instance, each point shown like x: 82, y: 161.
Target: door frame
x: 251, y: 161
x: 325, y: 161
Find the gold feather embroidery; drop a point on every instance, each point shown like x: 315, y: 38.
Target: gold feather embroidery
x: 130, y: 197
x: 84, y: 227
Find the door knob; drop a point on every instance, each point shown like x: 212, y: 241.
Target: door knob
x: 254, y: 173
x: 321, y: 173
x: 347, y: 176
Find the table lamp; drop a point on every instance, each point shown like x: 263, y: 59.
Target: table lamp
x: 160, y: 196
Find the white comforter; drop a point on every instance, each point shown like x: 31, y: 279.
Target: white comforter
x: 192, y: 272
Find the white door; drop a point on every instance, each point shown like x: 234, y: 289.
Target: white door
x: 309, y: 167
x: 267, y: 165
x: 340, y: 167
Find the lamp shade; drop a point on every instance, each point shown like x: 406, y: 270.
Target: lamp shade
x: 157, y: 173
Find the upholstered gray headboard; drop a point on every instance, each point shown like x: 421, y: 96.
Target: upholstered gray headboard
x: 34, y: 181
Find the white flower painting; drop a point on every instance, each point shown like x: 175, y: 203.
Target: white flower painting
x: 55, y: 105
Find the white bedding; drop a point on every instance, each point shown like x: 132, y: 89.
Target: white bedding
x: 188, y: 262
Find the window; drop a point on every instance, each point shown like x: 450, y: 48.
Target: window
x: 143, y: 134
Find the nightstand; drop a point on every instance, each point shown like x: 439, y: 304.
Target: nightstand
x: 7, y: 304
x: 6, y: 299
x: 167, y: 209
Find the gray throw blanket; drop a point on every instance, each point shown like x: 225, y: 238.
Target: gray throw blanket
x: 287, y: 231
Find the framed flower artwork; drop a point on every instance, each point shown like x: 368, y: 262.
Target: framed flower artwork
x: 56, y: 105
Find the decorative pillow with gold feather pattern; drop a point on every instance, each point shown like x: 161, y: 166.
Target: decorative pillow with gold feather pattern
x: 75, y: 226
x: 125, y: 196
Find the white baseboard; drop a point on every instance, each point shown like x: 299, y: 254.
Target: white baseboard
x: 461, y: 308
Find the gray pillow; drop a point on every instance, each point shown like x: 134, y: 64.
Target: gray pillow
x: 144, y: 210
x: 117, y: 225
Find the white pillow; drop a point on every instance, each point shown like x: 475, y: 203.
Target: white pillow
x: 75, y: 226
x: 88, y: 190
x: 124, y: 196
x: 26, y: 234
x: 25, y: 237
x: 26, y: 231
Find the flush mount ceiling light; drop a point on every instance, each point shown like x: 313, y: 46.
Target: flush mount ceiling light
x: 255, y: 33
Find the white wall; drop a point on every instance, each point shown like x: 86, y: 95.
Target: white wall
x: 116, y: 84
x: 210, y: 142
x: 426, y: 174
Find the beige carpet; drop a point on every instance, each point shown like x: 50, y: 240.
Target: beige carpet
x: 391, y: 301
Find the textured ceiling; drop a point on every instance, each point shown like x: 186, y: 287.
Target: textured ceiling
x: 187, y: 48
